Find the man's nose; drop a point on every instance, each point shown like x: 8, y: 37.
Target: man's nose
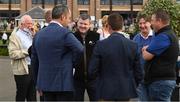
x: 83, y: 25
x: 143, y: 25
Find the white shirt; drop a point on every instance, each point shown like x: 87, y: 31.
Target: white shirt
x: 26, y: 40
x: 46, y: 24
x: 56, y: 23
x: 103, y: 34
x: 4, y: 36
x: 150, y: 34
x: 125, y: 34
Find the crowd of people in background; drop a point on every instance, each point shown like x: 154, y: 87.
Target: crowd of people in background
x: 5, y: 25
x: 64, y: 58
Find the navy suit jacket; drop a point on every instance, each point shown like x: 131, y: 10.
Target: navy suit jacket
x: 115, y: 63
x: 54, y: 51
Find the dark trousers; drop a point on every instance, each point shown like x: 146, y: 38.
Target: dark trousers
x: 42, y: 98
x: 114, y: 100
x: 58, y: 96
x: 80, y: 86
x: 25, y: 87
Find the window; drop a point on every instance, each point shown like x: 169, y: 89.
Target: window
x: 49, y: 1
x: 7, y: 1
x: 121, y: 2
x: 138, y: 2
x: 104, y: 2
x: 115, y: 2
x: 5, y: 13
x: 83, y: 12
x: 61, y: 1
x: 83, y: 2
x: 36, y: 1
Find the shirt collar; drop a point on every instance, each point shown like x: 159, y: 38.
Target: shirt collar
x: 56, y: 23
x: 163, y: 29
x: 25, y: 32
x: 149, y: 35
x: 124, y: 34
x: 46, y: 24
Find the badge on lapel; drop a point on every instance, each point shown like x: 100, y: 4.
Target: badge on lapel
x: 91, y: 43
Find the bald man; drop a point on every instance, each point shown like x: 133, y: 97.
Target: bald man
x: 19, y: 43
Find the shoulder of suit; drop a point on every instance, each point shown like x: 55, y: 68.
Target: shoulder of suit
x: 76, y: 34
x: 132, y: 42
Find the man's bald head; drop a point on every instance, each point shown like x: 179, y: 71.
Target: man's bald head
x: 26, y: 22
x: 26, y: 18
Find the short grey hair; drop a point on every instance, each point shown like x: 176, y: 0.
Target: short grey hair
x: 24, y: 18
x: 59, y: 10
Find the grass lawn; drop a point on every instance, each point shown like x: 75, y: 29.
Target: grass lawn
x: 3, y: 49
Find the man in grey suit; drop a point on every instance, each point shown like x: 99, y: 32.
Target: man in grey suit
x: 54, y: 52
x: 115, y: 63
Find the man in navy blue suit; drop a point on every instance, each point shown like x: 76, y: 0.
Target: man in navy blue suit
x: 115, y: 63
x: 55, y: 50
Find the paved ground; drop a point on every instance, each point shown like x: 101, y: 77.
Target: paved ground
x: 7, y: 84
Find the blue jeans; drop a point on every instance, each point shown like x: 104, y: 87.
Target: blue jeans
x: 161, y: 90
x: 142, y: 92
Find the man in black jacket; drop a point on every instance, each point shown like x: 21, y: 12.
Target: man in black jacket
x: 161, y: 56
x: 88, y: 39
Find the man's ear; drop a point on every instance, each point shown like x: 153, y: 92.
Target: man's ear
x: 62, y: 17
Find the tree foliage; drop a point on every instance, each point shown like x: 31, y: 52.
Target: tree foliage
x: 171, y: 7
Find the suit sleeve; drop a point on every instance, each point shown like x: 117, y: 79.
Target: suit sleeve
x: 138, y: 73
x: 14, y: 51
x: 75, y: 46
x: 94, y: 63
x: 34, y: 62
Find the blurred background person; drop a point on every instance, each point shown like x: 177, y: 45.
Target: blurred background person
x: 4, y: 37
x: 48, y: 18
x: 104, y: 33
x: 36, y: 26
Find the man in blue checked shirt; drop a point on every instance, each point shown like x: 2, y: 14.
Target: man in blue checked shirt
x: 161, y: 56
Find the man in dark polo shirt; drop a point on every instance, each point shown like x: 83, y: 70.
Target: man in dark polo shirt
x: 161, y: 56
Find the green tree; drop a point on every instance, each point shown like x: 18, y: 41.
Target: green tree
x: 171, y: 7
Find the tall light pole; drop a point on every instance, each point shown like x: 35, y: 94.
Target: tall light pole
x: 110, y: 6
x: 95, y: 22
x: 95, y: 10
x: 55, y: 2
x: 131, y: 4
x: 10, y: 13
x: 43, y: 3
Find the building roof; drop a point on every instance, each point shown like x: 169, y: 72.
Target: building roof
x: 36, y: 13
